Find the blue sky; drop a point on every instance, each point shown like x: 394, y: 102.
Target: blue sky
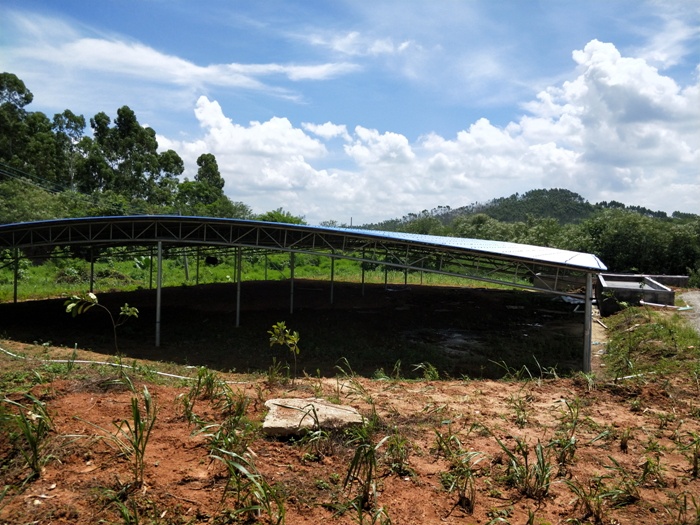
x: 372, y: 110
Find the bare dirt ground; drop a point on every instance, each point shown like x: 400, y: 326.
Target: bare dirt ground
x: 628, y: 447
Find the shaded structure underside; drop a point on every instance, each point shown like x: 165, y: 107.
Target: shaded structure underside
x: 504, y: 263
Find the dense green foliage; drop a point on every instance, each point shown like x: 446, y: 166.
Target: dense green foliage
x: 49, y: 168
x: 626, y: 238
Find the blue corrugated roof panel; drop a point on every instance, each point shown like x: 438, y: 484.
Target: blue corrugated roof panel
x: 522, y: 251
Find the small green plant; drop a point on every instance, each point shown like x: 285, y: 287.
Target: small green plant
x: 233, y: 434
x: 652, y: 472
x: 430, y: 373
x: 685, y: 509
x: 133, y: 435
x: 252, y: 494
x: 398, y: 450
x: 277, y: 373
x: 207, y: 384
x: 519, y: 404
x: 691, y: 450
x: 625, y: 490
x: 363, y: 467
x: 532, y: 479
x: 79, y: 304
x: 589, y: 499
x: 319, y: 442
x: 281, y: 335
x: 374, y: 517
x: 462, y: 478
x: 33, y: 425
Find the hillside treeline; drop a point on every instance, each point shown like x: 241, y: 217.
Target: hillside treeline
x: 50, y: 168
x: 625, y: 238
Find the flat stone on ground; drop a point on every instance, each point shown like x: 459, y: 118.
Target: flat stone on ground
x: 288, y: 417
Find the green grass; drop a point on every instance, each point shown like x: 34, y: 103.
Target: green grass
x: 119, y: 271
x: 644, y: 341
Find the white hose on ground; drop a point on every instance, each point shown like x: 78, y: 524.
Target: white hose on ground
x: 107, y: 363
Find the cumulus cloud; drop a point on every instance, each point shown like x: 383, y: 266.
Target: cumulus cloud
x: 328, y: 130
x: 618, y: 129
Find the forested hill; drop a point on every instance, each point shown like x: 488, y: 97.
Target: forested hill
x: 562, y: 205
x: 626, y: 238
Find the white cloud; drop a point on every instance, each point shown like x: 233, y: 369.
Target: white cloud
x: 66, y: 67
x: 670, y: 46
x: 618, y: 130
x: 355, y: 43
x: 328, y: 130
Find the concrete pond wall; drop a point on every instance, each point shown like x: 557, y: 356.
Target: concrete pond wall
x: 613, y: 289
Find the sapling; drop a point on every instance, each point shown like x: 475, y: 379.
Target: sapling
x: 79, y: 304
x: 281, y: 335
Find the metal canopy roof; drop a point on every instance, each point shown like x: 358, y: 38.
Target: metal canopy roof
x: 526, y: 252
x: 494, y: 261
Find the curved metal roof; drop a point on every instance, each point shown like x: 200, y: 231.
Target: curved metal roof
x: 184, y: 230
x: 492, y: 261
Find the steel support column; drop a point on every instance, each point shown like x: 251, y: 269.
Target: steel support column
x: 16, y: 275
x: 239, y: 259
x: 587, y: 326
x: 159, y: 286
x: 332, y: 277
x: 291, y: 283
x: 92, y: 272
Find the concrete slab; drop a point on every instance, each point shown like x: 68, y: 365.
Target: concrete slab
x: 289, y: 417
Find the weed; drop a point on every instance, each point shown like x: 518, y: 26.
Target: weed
x: 462, y: 478
x: 253, y: 495
x: 138, y: 433
x: 207, y: 384
x: 589, y: 499
x: 624, y: 440
x: 519, y: 404
x: 277, y: 373
x: 626, y: 490
x: 565, y: 448
x: 531, y: 479
x: 234, y: 434
x: 652, y: 472
x: 318, y: 441
x: 430, y: 373
x: 588, y: 379
x: 691, y: 450
x: 363, y: 467
x: 374, y: 517
x: 231, y: 402
x: 33, y: 425
x: 398, y: 450
x: 685, y: 509
x: 570, y: 418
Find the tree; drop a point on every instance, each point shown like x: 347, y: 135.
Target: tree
x: 208, y: 172
x: 280, y: 215
x: 68, y: 131
x: 14, y: 96
x: 21, y: 201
